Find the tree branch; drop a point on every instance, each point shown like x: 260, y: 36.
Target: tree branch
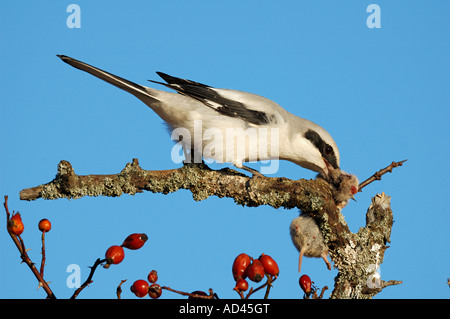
x: 381, y: 172
x: 356, y: 255
x: 359, y: 255
x: 199, y: 179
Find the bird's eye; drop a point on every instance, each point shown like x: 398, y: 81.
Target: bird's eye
x: 328, y: 150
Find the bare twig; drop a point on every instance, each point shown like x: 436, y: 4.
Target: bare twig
x: 268, y: 284
x: 43, y: 254
x: 240, y: 293
x: 322, y: 292
x: 119, y: 289
x: 24, y: 255
x: 314, y: 295
x: 390, y: 283
x: 377, y: 175
x: 211, y: 295
x: 89, y: 279
x: 380, y: 286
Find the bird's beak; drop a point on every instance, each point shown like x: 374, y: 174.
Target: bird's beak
x: 328, y: 167
x: 331, y: 173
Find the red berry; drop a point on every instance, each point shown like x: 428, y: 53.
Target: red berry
x: 154, y: 291
x: 241, y: 285
x: 270, y: 266
x: 135, y: 241
x: 255, y: 271
x: 45, y: 225
x: 140, y: 288
x: 114, y: 255
x: 354, y: 190
x: 305, y: 283
x: 15, y: 224
x: 240, y: 264
x: 152, y: 276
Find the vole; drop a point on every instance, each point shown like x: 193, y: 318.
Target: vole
x: 344, y: 187
x: 308, y: 239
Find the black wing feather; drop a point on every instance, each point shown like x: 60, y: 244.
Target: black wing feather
x: 205, y: 94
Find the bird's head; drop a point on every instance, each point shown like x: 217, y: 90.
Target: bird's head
x: 322, y: 156
x: 321, y: 152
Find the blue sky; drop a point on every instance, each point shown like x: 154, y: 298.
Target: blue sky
x: 382, y: 93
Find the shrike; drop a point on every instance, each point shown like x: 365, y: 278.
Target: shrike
x: 226, y: 115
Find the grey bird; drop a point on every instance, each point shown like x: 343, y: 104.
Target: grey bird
x: 236, y: 126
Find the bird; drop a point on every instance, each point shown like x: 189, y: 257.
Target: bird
x: 236, y: 126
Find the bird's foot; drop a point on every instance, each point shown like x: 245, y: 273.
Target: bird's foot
x: 255, y: 173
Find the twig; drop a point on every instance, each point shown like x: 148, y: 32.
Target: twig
x: 390, y: 283
x: 43, y: 254
x: 268, y: 283
x: 24, y: 255
x: 322, y: 292
x: 313, y: 294
x: 382, y: 284
x: 240, y: 293
x: 193, y: 295
x: 377, y: 175
x: 119, y: 289
x: 89, y: 279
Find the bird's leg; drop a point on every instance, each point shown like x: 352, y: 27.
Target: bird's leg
x: 254, y: 172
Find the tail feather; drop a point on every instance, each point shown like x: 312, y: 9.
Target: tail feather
x: 124, y: 84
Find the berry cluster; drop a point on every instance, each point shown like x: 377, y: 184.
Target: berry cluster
x: 15, y: 228
x: 115, y: 254
x: 255, y: 270
x: 244, y: 267
x: 143, y: 287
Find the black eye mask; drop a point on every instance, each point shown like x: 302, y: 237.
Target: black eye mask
x: 325, y: 149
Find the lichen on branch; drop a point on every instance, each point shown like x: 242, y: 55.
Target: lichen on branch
x: 357, y: 256
x: 199, y: 179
